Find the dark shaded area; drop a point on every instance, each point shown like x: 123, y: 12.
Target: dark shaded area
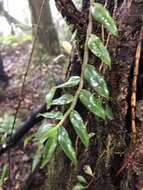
x: 3, y: 76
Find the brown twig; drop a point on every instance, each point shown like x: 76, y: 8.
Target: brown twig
x: 126, y: 162
x: 134, y: 87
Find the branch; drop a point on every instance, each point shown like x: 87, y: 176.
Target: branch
x: 19, y: 134
x: 71, y: 14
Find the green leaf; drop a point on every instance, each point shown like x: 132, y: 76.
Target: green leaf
x: 35, y: 162
x: 93, y: 104
x: 79, y: 186
x: 81, y: 179
x: 46, y: 132
x: 50, y: 133
x: 27, y: 140
x: 42, y: 130
x: 49, y: 150
x: 49, y: 97
x: 66, y: 144
x: 65, y: 99
x: 109, y: 113
x: 73, y: 81
x: 52, y: 115
x: 87, y: 169
x: 6, y: 123
x: 4, y: 174
x: 102, y: 15
x: 79, y: 127
x: 91, y: 135
x: 96, y: 81
x: 97, y: 48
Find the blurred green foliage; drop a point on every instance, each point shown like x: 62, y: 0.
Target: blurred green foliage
x: 12, y: 41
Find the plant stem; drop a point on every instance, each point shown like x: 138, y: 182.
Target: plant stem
x: 81, y: 83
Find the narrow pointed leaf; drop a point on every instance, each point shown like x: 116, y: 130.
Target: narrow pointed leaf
x: 65, y: 99
x: 52, y: 115
x: 35, y: 161
x: 102, y: 15
x: 49, y: 150
x: 96, y: 81
x: 79, y: 127
x: 46, y: 132
x: 79, y: 186
x: 49, y: 97
x: 109, y: 113
x: 73, y: 81
x: 66, y: 144
x: 52, y: 132
x: 97, y: 48
x: 81, y: 179
x: 4, y: 174
x: 42, y: 130
x: 93, y: 104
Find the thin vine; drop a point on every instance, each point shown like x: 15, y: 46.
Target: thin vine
x: 22, y: 89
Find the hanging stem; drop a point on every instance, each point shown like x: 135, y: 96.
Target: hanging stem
x: 134, y: 87
x: 81, y: 83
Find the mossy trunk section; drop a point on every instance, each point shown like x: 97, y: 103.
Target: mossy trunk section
x: 47, y: 34
x: 111, y: 144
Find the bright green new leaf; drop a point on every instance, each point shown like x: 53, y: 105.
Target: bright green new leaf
x: 49, y: 97
x: 73, y: 81
x: 93, y: 104
x: 65, y: 99
x: 96, y: 81
x: 66, y: 144
x: 49, y: 150
x: 91, y: 135
x: 87, y: 169
x: 52, y: 115
x: 79, y: 127
x: 97, y: 48
x: 102, y: 15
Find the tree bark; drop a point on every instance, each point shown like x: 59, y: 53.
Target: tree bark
x: 47, y: 34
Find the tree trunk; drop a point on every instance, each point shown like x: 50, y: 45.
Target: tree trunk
x: 3, y: 75
x: 112, y: 143
x: 47, y: 34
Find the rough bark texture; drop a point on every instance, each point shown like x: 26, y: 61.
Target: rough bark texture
x: 112, y: 142
x: 47, y: 34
